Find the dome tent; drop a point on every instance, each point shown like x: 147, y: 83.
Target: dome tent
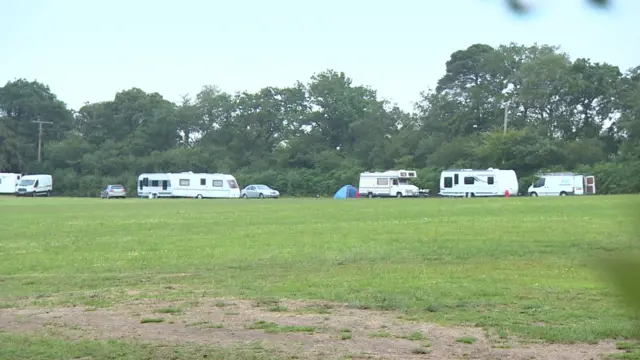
x: 346, y: 192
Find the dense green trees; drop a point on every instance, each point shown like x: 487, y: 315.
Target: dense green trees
x: 563, y: 114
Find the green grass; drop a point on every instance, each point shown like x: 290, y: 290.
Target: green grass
x: 47, y: 348
x: 522, y: 266
x: 270, y: 327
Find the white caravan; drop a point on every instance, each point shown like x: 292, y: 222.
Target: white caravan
x: 563, y: 184
x: 188, y: 184
x: 388, y: 184
x: 472, y: 182
x: 9, y: 182
x: 35, y: 185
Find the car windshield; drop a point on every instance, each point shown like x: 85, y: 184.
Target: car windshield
x: 26, y: 182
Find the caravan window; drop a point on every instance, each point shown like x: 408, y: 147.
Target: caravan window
x: 184, y: 182
x: 448, y: 182
x: 140, y: 184
x: 155, y: 183
x: 203, y: 182
x: 490, y: 180
x: 455, y: 179
x: 383, y: 181
x: 145, y: 181
x: 469, y: 180
x: 232, y: 184
x: 217, y: 183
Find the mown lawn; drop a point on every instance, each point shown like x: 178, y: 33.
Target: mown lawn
x: 522, y: 266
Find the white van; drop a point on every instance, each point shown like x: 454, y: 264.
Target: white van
x: 35, y: 185
x: 9, y: 182
x: 473, y: 182
x: 562, y: 184
x: 188, y: 184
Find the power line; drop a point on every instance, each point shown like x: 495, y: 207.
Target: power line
x: 40, y: 122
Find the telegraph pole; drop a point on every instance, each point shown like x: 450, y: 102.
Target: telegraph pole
x: 40, y: 122
x: 506, y: 116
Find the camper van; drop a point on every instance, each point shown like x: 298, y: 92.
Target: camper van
x: 392, y: 183
x: 472, y: 182
x: 562, y: 184
x: 187, y: 184
x: 35, y: 185
x: 8, y: 183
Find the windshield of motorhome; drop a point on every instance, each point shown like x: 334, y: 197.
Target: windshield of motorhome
x: 26, y: 182
x: 404, y: 182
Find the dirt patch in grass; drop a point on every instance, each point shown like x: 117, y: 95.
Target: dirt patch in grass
x: 305, y: 329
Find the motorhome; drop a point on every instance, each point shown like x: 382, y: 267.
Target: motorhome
x: 35, y: 185
x: 562, y: 184
x: 187, y: 184
x: 391, y: 183
x: 473, y: 182
x: 8, y: 183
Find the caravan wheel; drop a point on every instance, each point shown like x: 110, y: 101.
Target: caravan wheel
x: 370, y: 195
x: 199, y: 196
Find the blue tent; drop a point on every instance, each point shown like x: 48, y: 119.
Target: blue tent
x: 346, y: 192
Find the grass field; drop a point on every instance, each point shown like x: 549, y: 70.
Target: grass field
x: 514, y: 268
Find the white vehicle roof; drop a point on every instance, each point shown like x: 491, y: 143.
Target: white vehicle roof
x: 35, y: 176
x: 392, y: 173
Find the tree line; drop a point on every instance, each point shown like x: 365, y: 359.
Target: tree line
x: 312, y: 138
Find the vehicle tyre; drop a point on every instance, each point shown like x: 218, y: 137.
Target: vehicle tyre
x: 563, y: 193
x: 199, y: 196
x: 261, y: 196
x: 370, y: 195
x: 34, y: 194
x: 473, y: 195
x: 244, y: 196
x: 533, y: 194
x: 48, y: 193
x: 398, y: 195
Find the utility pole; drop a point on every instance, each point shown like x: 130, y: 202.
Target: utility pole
x: 506, y: 116
x: 40, y: 122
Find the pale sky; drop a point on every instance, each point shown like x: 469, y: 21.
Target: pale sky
x: 89, y: 50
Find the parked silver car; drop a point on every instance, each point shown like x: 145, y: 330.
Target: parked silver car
x: 113, y: 191
x: 259, y: 191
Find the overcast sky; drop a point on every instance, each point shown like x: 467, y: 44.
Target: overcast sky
x: 89, y: 50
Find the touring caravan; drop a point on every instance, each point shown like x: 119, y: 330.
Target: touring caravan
x: 35, y: 185
x: 187, y: 184
x: 8, y: 182
x: 562, y: 184
x: 473, y: 182
x: 392, y: 183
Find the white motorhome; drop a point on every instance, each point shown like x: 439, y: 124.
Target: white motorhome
x: 562, y: 184
x: 473, y: 182
x: 9, y: 182
x: 391, y: 183
x: 188, y: 184
x: 35, y: 185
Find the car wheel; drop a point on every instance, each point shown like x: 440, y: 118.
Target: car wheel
x: 261, y: 196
